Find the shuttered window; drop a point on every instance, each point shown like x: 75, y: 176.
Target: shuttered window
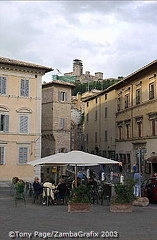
x: 2, y: 85
x: 1, y: 155
x: 62, y: 123
x: 23, y: 155
x: 24, y: 124
x: 24, y: 88
x: 4, y: 122
x: 62, y: 96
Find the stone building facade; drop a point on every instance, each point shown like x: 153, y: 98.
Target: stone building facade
x: 121, y: 121
x: 56, y: 117
x: 83, y: 77
x: 20, y: 117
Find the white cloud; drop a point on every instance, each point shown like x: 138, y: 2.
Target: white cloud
x: 113, y: 37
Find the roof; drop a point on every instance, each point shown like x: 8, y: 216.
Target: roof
x: 57, y: 82
x: 14, y: 62
x: 125, y: 80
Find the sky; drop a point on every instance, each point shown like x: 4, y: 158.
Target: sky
x: 113, y: 37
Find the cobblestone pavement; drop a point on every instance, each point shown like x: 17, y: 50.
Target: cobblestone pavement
x: 37, y: 221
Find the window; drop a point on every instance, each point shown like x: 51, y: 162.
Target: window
x: 139, y: 125
x: 127, y: 131
x: 23, y: 155
x: 105, y: 96
x: 87, y: 138
x: 96, y: 100
x: 105, y: 112
x: 126, y: 104
x: 24, y: 88
x: 106, y: 136
x: 151, y: 91
x: 96, y: 115
x: 96, y: 137
x: 62, y: 96
x: 153, y: 127
x: 62, y: 123
x: 87, y: 117
x: 120, y: 132
x: 1, y: 155
x: 24, y: 124
x: 2, y: 85
x: 118, y: 104
x: 87, y: 104
x: 138, y: 96
x: 4, y: 122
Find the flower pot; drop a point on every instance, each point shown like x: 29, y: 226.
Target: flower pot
x: 141, y: 202
x: 121, y: 207
x: 79, y: 207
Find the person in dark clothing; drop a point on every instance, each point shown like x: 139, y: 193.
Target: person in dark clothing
x: 38, y: 189
x: 62, y: 190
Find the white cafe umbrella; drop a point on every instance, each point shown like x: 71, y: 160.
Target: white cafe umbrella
x: 78, y: 158
x: 75, y: 158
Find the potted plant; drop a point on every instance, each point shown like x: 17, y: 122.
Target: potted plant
x: 79, y: 201
x: 123, y: 200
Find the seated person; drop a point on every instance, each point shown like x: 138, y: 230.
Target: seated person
x: 38, y: 189
x: 62, y: 190
x: 50, y: 187
x: 92, y: 182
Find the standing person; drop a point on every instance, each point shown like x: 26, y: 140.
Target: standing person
x: 137, y: 187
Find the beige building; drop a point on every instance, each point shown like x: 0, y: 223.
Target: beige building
x: 99, y: 125
x: 20, y: 117
x: 136, y: 117
x: 121, y: 121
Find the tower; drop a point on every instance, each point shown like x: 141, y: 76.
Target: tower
x: 77, y: 67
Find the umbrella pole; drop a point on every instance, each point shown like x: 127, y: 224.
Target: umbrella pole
x: 76, y: 175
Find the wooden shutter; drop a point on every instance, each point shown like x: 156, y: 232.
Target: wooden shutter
x: 62, y: 123
x: 1, y: 155
x: 23, y: 124
x: 6, y: 123
x: 23, y: 155
x: 2, y: 85
x: 24, y: 88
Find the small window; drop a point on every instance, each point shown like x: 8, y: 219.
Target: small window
x: 96, y: 115
x: 62, y: 123
x: 23, y: 155
x: 105, y: 112
x: 62, y: 96
x: 87, y: 117
x: 153, y: 123
x: 4, y: 123
x: 106, y: 136
x: 96, y: 137
x: 119, y: 132
x: 1, y: 155
x: 24, y: 88
x: 87, y: 138
x: 151, y: 91
x: 2, y: 85
x: 126, y: 103
x: 119, y: 104
x: 139, y: 126
x: 138, y: 96
x: 24, y: 124
x: 96, y: 100
x: 87, y: 104
x: 105, y: 96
